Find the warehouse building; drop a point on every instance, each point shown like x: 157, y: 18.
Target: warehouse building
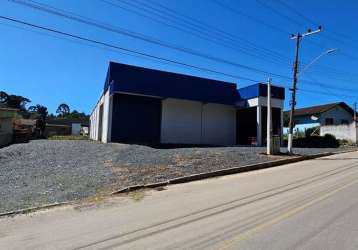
x: 146, y: 106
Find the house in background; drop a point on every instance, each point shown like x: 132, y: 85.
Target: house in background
x: 333, y: 118
x: 66, y: 126
x: 147, y: 106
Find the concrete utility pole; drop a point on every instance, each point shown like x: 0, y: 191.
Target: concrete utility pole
x: 269, y: 119
x: 298, y: 38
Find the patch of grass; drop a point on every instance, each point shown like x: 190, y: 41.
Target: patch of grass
x: 136, y: 195
x: 68, y: 137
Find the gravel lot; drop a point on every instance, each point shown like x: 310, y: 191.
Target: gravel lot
x: 43, y: 171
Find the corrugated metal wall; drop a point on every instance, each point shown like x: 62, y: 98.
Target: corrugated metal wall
x: 181, y: 121
x: 190, y: 122
x: 100, y: 123
x: 219, y: 124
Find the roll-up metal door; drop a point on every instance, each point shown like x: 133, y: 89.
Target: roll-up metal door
x: 218, y: 124
x: 181, y: 121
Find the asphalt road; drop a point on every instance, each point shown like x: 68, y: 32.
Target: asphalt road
x: 306, y: 205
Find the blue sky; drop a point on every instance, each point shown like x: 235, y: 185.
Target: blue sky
x: 50, y: 69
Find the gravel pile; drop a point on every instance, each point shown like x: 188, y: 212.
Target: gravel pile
x: 43, y: 171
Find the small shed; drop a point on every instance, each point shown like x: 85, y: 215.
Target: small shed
x: 66, y: 126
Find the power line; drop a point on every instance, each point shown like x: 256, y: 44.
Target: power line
x: 267, y: 6
x: 97, y: 24
x: 122, y: 48
x: 252, y: 18
x: 133, y: 52
x: 86, y: 44
x: 243, y: 66
x: 273, y: 74
x: 203, y: 34
x: 279, y: 29
x: 292, y: 20
x: 327, y: 89
x: 78, y: 18
x: 176, y: 14
x: 310, y: 20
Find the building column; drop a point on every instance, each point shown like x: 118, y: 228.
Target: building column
x: 281, y: 128
x: 259, y: 126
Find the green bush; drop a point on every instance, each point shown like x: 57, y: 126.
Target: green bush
x: 326, y: 141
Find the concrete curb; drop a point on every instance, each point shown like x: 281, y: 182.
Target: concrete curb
x: 33, y: 209
x: 228, y: 171
x: 189, y: 178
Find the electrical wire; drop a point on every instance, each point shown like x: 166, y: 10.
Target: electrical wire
x: 279, y: 29
x: 203, y: 34
x: 122, y: 48
x: 292, y: 20
x: 155, y: 57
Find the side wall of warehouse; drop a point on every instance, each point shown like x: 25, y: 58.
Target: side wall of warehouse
x: 100, y: 119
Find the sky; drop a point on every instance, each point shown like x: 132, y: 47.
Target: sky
x: 250, y: 40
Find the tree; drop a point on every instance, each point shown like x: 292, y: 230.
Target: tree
x: 63, y: 110
x: 32, y: 109
x: 13, y: 101
x: 77, y: 115
x: 40, y: 110
x: 3, y: 97
x: 42, y: 113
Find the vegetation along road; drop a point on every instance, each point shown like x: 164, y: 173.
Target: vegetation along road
x: 306, y: 205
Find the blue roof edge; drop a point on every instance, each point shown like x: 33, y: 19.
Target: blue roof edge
x: 118, y: 79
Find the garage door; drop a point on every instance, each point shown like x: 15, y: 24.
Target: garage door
x: 136, y: 119
x: 219, y: 124
x: 181, y: 121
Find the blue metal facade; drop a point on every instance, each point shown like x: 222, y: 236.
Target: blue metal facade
x: 260, y: 89
x: 143, y: 81
x: 150, y: 82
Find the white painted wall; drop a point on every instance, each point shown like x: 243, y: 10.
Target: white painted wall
x: 218, y: 124
x: 107, y: 117
x: 76, y: 128
x: 93, y: 124
x: 181, y: 121
x: 343, y: 132
x: 105, y: 125
x: 190, y: 122
x: 262, y: 101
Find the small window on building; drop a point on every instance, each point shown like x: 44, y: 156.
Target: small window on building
x: 329, y: 121
x: 343, y: 121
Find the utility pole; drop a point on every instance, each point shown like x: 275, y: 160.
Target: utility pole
x: 269, y: 119
x: 298, y: 37
x: 355, y: 112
